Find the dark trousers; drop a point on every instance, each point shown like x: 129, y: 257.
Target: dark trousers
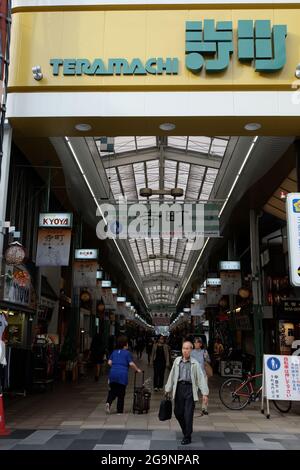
x: 184, y: 408
x: 117, y: 391
x: 159, y: 374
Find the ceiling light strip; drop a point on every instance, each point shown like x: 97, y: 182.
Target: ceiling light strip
x: 238, y: 174
x: 222, y: 209
x: 100, y: 210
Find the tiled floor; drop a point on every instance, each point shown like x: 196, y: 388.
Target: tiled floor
x: 73, y: 416
x: 114, y: 439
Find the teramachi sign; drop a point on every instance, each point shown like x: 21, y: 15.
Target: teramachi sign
x: 63, y: 220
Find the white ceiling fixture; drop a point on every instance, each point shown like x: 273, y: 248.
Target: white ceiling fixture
x: 252, y: 126
x: 167, y: 126
x: 83, y: 127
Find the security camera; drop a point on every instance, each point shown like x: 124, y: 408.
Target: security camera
x: 37, y: 72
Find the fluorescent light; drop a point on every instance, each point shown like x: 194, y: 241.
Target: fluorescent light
x: 192, y: 272
x: 238, y: 175
x: 101, y: 213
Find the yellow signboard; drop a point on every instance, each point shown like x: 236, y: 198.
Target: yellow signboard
x: 78, y: 50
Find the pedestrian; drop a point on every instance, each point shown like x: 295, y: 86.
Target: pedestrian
x: 201, y: 355
x: 160, y: 360
x: 119, y: 361
x: 97, y: 354
x: 149, y: 347
x: 185, y: 379
x: 140, y: 347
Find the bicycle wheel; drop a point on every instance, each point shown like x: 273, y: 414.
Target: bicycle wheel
x: 282, y: 405
x: 234, y: 395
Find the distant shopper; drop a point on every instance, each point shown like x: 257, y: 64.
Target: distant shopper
x: 185, y: 379
x: 120, y: 360
x: 149, y: 348
x: 140, y: 345
x: 160, y: 360
x: 201, y: 355
x: 97, y: 354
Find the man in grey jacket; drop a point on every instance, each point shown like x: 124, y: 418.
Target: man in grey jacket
x: 185, y: 379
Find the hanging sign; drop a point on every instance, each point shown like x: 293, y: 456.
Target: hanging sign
x: 282, y: 377
x: 106, y: 284
x: 47, y: 220
x: 231, y: 281
x: 230, y: 265
x: 85, y: 253
x: 18, y: 287
x: 213, y: 295
x: 293, y: 234
x: 53, y: 247
x: 85, y: 273
x: 198, y: 308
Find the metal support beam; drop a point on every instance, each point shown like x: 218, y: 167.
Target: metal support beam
x: 256, y: 289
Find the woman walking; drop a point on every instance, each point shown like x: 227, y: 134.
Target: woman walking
x: 160, y: 360
x: 120, y: 360
x: 201, y: 355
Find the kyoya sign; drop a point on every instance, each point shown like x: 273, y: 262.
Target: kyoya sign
x: 282, y: 377
x: 293, y: 232
x: 55, y: 220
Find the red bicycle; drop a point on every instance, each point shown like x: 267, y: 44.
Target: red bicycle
x: 237, y: 393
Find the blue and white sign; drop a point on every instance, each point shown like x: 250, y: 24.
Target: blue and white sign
x: 293, y: 235
x: 282, y: 377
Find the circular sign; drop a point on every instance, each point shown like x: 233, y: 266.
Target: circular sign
x: 273, y: 363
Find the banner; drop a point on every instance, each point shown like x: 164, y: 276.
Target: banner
x: 231, y: 282
x: 18, y: 287
x: 85, y: 273
x: 198, y: 308
x: 282, y: 377
x: 53, y: 247
x: 213, y: 295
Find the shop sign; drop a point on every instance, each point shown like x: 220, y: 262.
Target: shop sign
x: 213, y: 282
x: 18, y: 288
x: 106, y: 284
x: 282, y: 377
x: 231, y: 281
x: 230, y: 266
x: 85, y: 273
x: 213, y: 294
x: 85, y: 253
x: 114, y: 290
x: 293, y: 233
x: 64, y: 220
x: 53, y: 248
x: 256, y: 41
x: 208, y: 44
x: 198, y: 308
x: 291, y: 305
x: 161, y: 320
x: 121, y: 299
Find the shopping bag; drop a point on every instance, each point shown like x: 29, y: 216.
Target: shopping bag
x: 165, y: 410
x: 208, y: 369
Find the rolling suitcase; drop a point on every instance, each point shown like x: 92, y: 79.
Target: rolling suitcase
x: 141, y: 397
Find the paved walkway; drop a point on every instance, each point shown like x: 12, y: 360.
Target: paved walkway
x: 74, y: 415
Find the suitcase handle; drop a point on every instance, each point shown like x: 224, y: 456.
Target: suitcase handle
x: 135, y: 375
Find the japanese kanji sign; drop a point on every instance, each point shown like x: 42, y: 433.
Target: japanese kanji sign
x: 53, y: 247
x: 282, y: 377
x: 210, y: 45
x: 293, y: 232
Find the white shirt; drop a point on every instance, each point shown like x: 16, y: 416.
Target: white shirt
x: 2, y: 354
x: 3, y: 324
